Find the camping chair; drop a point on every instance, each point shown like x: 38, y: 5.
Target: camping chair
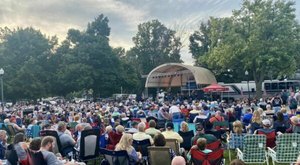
x: 89, y: 146
x: 187, y: 139
x: 224, y: 125
x: 176, y: 123
x: 192, y: 126
x: 212, y: 146
x: 136, y: 120
x: 142, y: 147
x: 213, y: 158
x: 58, y: 148
x: 271, y: 137
x: 235, y: 141
x: 36, y: 158
x: 159, y: 155
x: 35, y: 131
x: 287, y: 149
x: 28, y: 133
x: 253, y: 151
x: 173, y: 144
x: 115, y: 157
x: 176, y: 126
x: 11, y: 131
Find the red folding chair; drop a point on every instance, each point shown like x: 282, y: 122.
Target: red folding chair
x: 113, y: 140
x: 213, y: 158
x: 136, y: 120
x: 212, y: 146
x: 271, y: 137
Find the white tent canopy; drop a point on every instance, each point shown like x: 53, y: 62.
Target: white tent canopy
x: 177, y: 75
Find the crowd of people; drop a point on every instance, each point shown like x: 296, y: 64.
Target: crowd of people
x: 122, y: 122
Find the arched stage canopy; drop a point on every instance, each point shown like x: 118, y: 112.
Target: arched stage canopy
x: 178, y: 75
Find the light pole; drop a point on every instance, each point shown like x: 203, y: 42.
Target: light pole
x: 247, y: 74
x: 2, y: 96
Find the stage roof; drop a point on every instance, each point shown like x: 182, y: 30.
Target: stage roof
x: 177, y: 75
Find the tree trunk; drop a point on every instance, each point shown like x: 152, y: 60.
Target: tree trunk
x: 259, y: 91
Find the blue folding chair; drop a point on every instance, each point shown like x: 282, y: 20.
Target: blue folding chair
x: 176, y: 123
x: 192, y: 126
x: 35, y: 131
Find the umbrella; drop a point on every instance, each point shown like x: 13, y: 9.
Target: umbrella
x: 215, y: 88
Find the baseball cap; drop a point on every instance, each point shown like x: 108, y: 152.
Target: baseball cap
x: 170, y: 125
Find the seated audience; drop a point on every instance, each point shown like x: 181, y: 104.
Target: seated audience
x: 269, y: 132
x: 200, y: 133
x: 217, y: 117
x: 280, y: 125
x: 255, y: 122
x: 67, y: 142
x: 141, y: 135
x: 20, y: 146
x: 47, y: 146
x: 170, y: 134
x: 235, y: 138
x: 134, y: 128
x: 125, y: 143
x: 3, y: 143
x: 160, y: 141
x: 152, y: 131
x: 114, y: 137
x: 178, y: 160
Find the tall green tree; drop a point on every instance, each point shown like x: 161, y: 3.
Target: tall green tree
x: 155, y: 44
x: 89, y: 62
x: 262, y: 36
x: 24, y: 56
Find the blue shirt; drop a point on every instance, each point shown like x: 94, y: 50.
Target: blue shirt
x: 2, y: 150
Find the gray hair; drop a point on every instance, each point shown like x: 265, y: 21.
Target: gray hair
x: 141, y: 127
x: 61, y: 125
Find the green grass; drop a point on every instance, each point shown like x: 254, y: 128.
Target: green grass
x: 234, y: 156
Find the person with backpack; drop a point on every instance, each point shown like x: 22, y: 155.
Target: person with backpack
x: 16, y: 152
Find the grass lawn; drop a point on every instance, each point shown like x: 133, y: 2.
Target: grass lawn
x: 234, y: 154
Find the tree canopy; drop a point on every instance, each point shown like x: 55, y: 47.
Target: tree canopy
x: 261, y: 37
x: 155, y: 44
x: 37, y: 66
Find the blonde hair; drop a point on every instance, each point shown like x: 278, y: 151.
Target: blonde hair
x: 125, y: 143
x: 76, y: 118
x: 120, y: 129
x: 237, y: 127
x: 108, y: 129
x: 260, y: 110
x: 283, y: 110
x: 256, y: 117
x: 184, y: 126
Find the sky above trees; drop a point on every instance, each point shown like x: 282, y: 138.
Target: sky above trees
x: 55, y: 17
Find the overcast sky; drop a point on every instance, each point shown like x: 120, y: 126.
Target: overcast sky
x: 55, y: 17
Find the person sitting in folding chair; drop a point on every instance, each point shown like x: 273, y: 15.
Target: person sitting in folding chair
x: 126, y: 144
x: 269, y: 132
x: 217, y: 117
x: 200, y: 133
x: 201, y: 146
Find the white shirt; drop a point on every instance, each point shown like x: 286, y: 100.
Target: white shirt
x: 174, y: 109
x: 142, y: 136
